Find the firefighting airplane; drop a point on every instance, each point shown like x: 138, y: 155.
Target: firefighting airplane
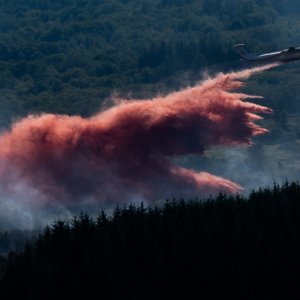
x: 285, y: 55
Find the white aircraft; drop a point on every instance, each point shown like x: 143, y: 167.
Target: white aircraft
x: 285, y: 55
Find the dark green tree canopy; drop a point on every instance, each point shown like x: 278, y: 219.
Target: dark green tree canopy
x: 68, y: 56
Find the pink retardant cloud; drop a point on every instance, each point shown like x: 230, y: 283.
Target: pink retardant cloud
x: 124, y: 152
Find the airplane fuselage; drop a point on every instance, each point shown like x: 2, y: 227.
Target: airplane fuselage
x: 287, y: 55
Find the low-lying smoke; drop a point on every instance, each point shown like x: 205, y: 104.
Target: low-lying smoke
x: 125, y: 153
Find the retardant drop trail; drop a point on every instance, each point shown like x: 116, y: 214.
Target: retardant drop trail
x: 123, y: 153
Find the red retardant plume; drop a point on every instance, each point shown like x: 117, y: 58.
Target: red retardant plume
x: 124, y: 153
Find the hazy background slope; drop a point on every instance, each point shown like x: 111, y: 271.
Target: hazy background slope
x: 68, y: 56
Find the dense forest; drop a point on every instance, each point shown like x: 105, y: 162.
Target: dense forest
x: 69, y: 56
x: 242, y: 248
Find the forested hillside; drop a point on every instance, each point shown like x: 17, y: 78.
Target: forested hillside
x: 227, y: 247
x: 68, y: 56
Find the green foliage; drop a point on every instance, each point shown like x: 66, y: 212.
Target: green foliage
x: 224, y: 246
x: 68, y: 56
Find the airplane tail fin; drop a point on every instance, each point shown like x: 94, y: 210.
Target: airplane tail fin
x: 241, y: 50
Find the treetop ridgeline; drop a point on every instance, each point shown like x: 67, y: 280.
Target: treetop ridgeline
x: 245, y: 248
